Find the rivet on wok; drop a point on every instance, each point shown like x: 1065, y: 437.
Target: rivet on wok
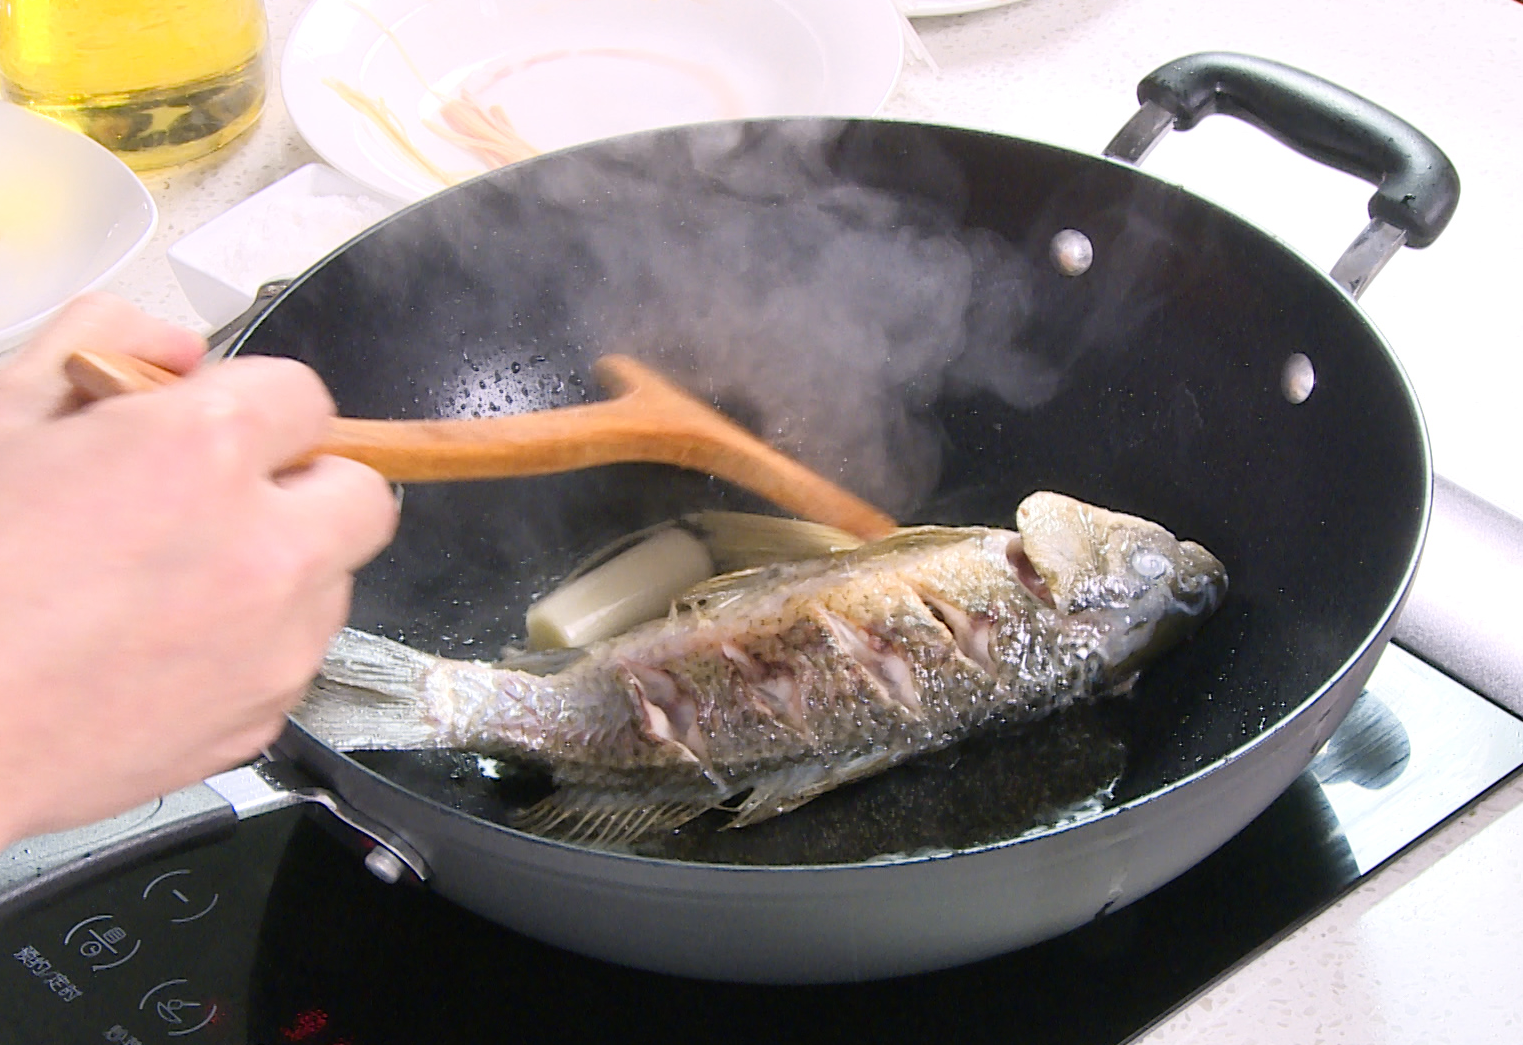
x: 385, y: 865
x: 1072, y: 253
x: 1298, y: 378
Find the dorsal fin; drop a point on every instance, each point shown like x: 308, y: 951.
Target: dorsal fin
x: 910, y: 538
x: 741, y: 540
x: 727, y: 587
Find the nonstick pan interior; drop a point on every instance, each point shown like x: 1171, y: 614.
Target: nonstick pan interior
x: 1149, y: 384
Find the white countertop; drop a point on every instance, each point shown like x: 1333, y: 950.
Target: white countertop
x: 1425, y: 949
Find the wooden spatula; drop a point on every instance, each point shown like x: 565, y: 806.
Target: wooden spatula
x: 648, y: 419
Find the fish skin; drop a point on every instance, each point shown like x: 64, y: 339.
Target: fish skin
x: 789, y: 681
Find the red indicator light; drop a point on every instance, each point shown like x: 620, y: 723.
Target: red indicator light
x: 305, y: 1025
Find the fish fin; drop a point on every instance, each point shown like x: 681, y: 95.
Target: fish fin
x: 370, y: 694
x: 607, y: 819
x: 907, y: 538
x: 365, y: 661
x: 727, y: 587
x: 539, y: 662
x: 781, y: 792
x: 786, y: 790
x: 740, y: 540
x: 350, y: 718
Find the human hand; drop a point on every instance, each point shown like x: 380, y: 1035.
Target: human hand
x: 33, y: 387
x: 168, y: 588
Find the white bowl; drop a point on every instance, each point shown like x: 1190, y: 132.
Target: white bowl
x: 71, y: 215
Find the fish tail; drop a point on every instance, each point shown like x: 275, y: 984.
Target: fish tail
x: 371, y: 694
x: 365, y: 661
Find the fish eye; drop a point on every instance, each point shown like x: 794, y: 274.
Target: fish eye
x: 1149, y: 564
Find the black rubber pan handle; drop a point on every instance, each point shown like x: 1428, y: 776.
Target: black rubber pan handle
x: 1417, y: 187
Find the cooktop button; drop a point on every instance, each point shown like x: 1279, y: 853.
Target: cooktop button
x: 179, y: 895
x: 101, y: 939
x: 179, y: 1011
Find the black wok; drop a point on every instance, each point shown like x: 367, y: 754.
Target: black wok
x: 1154, y: 382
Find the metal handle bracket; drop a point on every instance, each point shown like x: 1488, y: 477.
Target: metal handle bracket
x: 35, y: 869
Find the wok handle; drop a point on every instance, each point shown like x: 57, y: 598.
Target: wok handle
x: 1417, y: 188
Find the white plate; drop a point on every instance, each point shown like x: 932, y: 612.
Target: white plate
x: 71, y: 215
x: 932, y: 8
x: 570, y: 71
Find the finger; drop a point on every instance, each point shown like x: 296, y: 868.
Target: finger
x: 347, y: 508
x: 266, y: 410
x: 34, y: 387
x: 106, y: 319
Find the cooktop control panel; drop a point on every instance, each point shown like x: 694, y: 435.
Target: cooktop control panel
x: 159, y: 953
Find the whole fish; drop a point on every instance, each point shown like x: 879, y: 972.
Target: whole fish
x: 765, y: 689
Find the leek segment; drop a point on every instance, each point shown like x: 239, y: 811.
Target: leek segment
x: 642, y: 582
x: 633, y: 587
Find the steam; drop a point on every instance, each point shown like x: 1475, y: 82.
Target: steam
x: 827, y: 284
x: 761, y: 269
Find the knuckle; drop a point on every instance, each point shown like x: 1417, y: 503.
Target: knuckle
x: 207, y: 432
x: 247, y: 401
x: 286, y: 383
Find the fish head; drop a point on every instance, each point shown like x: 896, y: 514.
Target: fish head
x: 1142, y: 589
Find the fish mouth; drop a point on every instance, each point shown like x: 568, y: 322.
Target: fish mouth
x: 1026, y: 572
x: 1205, y: 590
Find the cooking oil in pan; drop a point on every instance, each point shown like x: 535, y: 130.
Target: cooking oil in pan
x: 159, y: 82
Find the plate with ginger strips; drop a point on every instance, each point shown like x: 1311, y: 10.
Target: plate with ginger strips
x: 410, y: 97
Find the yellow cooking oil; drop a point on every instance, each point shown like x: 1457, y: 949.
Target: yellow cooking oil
x: 159, y: 82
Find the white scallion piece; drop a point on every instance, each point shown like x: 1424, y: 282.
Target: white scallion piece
x: 634, y: 586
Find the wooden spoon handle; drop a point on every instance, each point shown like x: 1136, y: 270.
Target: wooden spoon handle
x: 648, y: 420
x: 99, y: 375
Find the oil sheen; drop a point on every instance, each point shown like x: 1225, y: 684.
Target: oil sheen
x: 159, y: 82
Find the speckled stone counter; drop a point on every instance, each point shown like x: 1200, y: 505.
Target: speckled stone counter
x: 1425, y: 950
x: 1409, y: 959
